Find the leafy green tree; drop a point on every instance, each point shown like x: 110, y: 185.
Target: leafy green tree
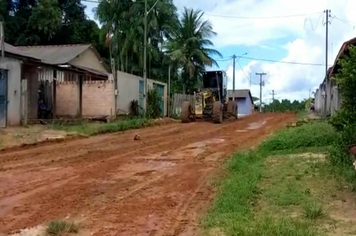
x: 346, y: 81
x: 45, y: 19
x: 285, y: 106
x: 124, y: 20
x: 190, y: 47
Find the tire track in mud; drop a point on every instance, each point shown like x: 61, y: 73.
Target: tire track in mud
x: 139, y: 181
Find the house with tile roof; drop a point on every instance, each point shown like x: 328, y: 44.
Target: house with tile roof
x: 72, y: 80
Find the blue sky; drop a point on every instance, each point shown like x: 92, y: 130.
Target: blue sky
x: 251, y: 26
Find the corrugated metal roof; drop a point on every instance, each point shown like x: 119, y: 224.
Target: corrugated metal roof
x: 15, y: 51
x: 55, y: 54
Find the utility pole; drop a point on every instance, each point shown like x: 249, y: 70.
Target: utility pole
x: 145, y: 56
x: 233, y: 75
x: 261, y: 84
x: 327, y: 13
x: 2, y: 39
x: 145, y: 62
x: 273, y: 94
x: 169, y: 91
x: 250, y: 79
x: 233, y: 78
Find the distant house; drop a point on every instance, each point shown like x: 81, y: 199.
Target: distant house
x: 71, y: 79
x: 244, y: 101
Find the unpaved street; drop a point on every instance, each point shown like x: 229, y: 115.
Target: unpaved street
x: 113, y: 185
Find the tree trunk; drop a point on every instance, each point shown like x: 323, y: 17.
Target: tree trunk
x: 127, y: 62
x: 131, y: 63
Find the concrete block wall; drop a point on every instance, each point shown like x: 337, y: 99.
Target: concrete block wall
x: 67, y: 99
x: 98, y: 98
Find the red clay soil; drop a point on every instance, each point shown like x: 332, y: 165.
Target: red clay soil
x: 114, y: 185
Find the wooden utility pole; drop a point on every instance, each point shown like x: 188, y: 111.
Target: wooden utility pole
x: 261, y: 84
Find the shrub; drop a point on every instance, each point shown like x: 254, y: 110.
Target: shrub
x: 56, y: 228
x: 134, y: 108
x: 339, y: 156
x: 153, y: 104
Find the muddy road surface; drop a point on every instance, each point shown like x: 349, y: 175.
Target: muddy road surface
x: 115, y: 185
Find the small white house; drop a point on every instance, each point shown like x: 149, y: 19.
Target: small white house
x: 131, y: 87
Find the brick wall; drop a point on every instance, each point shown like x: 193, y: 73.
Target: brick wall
x: 98, y: 98
x: 67, y: 99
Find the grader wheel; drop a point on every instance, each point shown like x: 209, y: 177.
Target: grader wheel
x: 217, y: 112
x: 187, y: 112
x: 230, y: 107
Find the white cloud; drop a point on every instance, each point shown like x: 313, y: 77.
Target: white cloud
x: 306, y: 34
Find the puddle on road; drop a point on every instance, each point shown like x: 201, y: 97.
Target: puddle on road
x: 253, y: 126
x: 205, y: 143
x: 143, y: 166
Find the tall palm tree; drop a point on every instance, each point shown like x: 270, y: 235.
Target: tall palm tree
x: 190, y: 46
x: 125, y: 19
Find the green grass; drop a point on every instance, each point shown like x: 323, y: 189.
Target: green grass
x: 314, y: 134
x: 302, y: 114
x: 99, y: 128
x: 313, y: 211
x: 264, y: 195
x: 57, y: 228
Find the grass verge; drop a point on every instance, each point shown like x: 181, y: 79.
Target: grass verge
x: 100, y: 128
x: 272, y: 191
x: 57, y: 228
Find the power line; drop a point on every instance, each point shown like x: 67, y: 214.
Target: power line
x: 224, y: 59
x: 311, y: 22
x: 92, y: 1
x: 284, y: 62
x: 244, y: 73
x: 258, y: 17
x: 349, y: 23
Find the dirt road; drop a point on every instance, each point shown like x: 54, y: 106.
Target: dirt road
x: 113, y: 185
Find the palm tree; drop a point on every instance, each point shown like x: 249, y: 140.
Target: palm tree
x: 125, y: 19
x: 190, y: 46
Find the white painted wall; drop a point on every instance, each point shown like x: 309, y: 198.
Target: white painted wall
x: 127, y: 87
x: 128, y: 90
x: 90, y: 60
x: 13, y: 67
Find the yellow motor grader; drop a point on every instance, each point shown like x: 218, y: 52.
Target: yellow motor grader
x: 212, y: 102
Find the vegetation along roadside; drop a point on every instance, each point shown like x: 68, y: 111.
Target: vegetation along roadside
x: 287, y: 186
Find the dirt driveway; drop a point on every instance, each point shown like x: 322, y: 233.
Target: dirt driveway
x: 113, y: 185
